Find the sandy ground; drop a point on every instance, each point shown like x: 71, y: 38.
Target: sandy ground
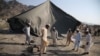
x: 11, y: 45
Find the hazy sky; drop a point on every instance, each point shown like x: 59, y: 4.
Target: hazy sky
x: 84, y: 10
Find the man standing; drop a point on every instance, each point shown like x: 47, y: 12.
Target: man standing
x: 69, y: 34
x: 54, y: 35
x: 44, y: 41
x: 88, y: 42
x: 26, y: 30
x: 77, y: 40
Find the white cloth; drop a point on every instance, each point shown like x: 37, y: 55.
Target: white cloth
x: 54, y: 34
x: 73, y: 39
x: 78, y: 36
x: 89, y: 40
x: 27, y: 30
x: 77, y: 40
x: 27, y: 33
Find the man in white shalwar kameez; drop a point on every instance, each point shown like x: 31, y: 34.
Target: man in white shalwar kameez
x: 88, y: 42
x: 54, y: 35
x: 44, y: 41
x: 77, y: 40
x: 26, y: 30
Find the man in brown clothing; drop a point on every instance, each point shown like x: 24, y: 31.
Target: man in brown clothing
x: 69, y: 34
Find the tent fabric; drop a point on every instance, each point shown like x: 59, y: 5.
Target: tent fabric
x: 45, y: 13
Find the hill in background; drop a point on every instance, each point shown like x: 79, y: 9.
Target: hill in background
x: 11, y: 8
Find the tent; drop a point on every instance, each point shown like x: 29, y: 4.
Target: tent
x: 45, y: 13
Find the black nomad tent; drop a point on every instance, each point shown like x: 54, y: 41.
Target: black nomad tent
x: 45, y: 13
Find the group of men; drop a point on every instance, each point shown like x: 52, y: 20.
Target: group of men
x: 54, y: 34
x: 43, y: 35
x: 77, y: 35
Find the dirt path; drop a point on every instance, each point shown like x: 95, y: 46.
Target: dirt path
x: 11, y: 45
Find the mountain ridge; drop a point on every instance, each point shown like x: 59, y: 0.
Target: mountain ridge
x: 12, y: 8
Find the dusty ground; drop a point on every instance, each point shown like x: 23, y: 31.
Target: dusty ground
x: 11, y: 45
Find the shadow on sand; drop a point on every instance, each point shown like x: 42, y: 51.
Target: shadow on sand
x: 96, y: 42
x: 6, y: 54
x: 64, y: 55
x: 9, y: 32
x: 57, y: 46
x: 9, y: 43
x: 61, y: 53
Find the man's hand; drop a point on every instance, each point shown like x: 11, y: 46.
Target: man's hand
x: 87, y: 43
